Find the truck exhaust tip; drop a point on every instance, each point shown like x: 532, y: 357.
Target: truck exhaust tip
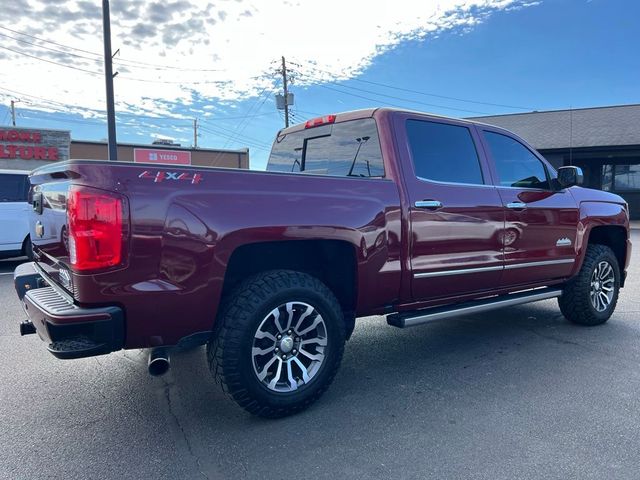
x: 27, y: 328
x: 158, y: 361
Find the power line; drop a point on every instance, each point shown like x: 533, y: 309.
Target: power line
x: 134, y: 63
x: 393, y: 97
x: 515, y: 107
x: 136, y: 115
x: 230, y: 131
x: 51, y: 61
x: 243, y: 123
x: 418, y: 102
x: 190, y: 82
x: 229, y: 137
x: 49, y: 48
x: 418, y: 92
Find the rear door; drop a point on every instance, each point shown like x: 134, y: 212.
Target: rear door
x: 541, y: 222
x: 455, y: 212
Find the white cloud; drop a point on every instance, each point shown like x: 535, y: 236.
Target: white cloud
x: 237, y: 42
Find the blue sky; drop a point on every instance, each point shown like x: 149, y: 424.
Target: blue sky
x: 508, y: 56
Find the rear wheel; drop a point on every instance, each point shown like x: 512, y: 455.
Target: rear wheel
x: 590, y: 298
x: 279, y: 343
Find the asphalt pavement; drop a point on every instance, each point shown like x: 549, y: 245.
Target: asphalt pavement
x: 514, y: 394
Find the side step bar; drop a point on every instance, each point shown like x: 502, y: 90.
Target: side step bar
x: 410, y: 319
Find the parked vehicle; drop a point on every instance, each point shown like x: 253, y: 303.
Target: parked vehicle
x: 14, y: 214
x: 371, y: 212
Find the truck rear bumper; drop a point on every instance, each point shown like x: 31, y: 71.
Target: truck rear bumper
x: 69, y: 330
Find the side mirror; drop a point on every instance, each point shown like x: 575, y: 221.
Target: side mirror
x: 570, y: 176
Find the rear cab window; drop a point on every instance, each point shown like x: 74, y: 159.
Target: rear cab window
x: 13, y: 187
x: 345, y: 149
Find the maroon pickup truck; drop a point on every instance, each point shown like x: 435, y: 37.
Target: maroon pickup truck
x: 372, y: 212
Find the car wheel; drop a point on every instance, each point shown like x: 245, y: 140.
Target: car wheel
x: 278, y: 344
x: 591, y: 296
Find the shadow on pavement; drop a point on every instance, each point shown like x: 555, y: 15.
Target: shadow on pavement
x: 9, y: 265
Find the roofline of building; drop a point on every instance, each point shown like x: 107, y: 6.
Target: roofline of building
x: 17, y: 127
x: 161, y: 147
x: 556, y: 111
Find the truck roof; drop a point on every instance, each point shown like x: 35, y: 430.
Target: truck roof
x: 368, y: 113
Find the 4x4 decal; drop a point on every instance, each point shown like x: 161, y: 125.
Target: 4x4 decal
x: 161, y: 176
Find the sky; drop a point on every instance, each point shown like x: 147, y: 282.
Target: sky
x: 219, y: 61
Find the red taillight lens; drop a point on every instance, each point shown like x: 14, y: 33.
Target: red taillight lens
x: 316, y: 122
x: 96, y: 228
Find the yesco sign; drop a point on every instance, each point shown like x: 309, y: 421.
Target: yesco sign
x: 34, y: 144
x: 157, y: 155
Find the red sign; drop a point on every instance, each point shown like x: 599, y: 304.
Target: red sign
x: 171, y: 157
x: 26, y: 144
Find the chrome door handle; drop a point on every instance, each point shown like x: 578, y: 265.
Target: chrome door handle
x: 517, y: 205
x: 428, y: 204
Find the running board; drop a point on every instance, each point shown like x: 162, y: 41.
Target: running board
x: 410, y: 319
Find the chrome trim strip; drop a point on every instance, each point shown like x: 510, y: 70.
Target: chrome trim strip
x: 457, y: 272
x: 516, y: 299
x: 444, y: 273
x: 483, y: 185
x: 539, y: 264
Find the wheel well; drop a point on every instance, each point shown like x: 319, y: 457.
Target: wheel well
x: 613, y: 237
x: 331, y: 261
x: 24, y: 243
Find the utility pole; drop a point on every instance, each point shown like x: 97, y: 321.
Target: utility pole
x: 195, y: 133
x: 108, y: 77
x: 286, y: 92
x: 13, y: 112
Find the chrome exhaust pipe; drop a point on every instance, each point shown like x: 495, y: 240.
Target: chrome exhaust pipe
x: 158, y: 361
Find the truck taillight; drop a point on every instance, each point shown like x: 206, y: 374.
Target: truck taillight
x: 98, y: 222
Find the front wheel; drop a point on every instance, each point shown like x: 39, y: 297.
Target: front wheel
x: 279, y: 343
x: 590, y: 298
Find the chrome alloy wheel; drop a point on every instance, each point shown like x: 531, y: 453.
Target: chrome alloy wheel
x: 602, y: 286
x: 288, y: 347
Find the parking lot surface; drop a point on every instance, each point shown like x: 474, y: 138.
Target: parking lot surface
x: 516, y: 393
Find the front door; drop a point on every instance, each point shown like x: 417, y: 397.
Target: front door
x: 540, y: 221
x: 455, y: 214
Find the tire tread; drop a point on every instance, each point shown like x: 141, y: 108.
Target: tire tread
x: 237, y: 312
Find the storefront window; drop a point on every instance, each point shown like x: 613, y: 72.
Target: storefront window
x: 620, y: 178
x: 627, y: 177
x: 607, y: 178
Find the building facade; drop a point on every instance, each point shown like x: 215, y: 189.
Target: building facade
x: 603, y: 141
x: 30, y: 148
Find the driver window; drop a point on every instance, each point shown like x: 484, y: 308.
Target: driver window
x: 515, y: 164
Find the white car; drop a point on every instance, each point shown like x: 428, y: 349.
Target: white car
x: 14, y: 214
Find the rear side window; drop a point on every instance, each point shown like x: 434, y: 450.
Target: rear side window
x: 342, y: 149
x: 13, y: 188
x: 443, y: 152
x: 516, y: 165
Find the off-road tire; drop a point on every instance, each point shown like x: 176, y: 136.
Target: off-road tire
x: 229, y: 350
x: 575, y: 303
